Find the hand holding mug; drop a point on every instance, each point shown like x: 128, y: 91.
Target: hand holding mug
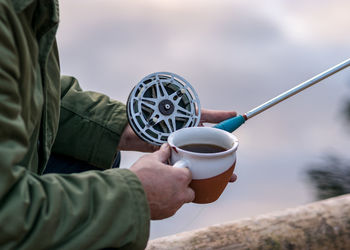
x: 166, y: 187
x: 210, y: 155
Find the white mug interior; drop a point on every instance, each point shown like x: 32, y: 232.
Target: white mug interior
x: 204, y: 165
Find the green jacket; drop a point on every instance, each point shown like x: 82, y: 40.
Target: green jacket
x: 41, y: 112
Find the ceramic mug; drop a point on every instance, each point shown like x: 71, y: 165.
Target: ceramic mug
x: 210, y: 171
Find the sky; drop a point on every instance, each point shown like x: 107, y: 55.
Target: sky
x: 237, y: 55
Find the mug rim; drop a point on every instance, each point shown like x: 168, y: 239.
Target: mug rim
x: 228, y: 151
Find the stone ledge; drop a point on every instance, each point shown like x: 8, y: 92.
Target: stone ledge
x: 319, y: 225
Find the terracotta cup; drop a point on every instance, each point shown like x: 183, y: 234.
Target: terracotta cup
x: 210, y: 171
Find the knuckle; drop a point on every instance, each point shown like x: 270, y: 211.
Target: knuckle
x: 184, y: 175
x: 190, y: 195
x: 183, y: 178
x: 187, y: 196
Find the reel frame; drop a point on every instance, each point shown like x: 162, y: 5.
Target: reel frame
x: 160, y: 104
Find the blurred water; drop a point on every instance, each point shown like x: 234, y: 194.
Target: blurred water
x: 236, y: 54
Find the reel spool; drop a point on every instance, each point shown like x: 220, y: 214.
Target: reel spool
x: 160, y: 104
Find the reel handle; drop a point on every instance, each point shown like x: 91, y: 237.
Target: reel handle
x: 231, y: 124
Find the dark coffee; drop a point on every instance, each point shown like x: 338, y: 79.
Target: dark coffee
x: 203, y: 148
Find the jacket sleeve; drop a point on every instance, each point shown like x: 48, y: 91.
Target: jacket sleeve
x: 92, y: 210
x: 90, y: 125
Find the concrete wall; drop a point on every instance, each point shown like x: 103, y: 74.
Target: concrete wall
x: 320, y: 225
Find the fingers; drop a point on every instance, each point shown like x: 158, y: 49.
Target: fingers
x: 190, y: 195
x: 233, y: 178
x: 216, y: 116
x: 163, y: 154
x: 184, y: 177
x: 129, y: 141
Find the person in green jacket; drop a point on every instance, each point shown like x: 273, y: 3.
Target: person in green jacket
x: 43, y: 113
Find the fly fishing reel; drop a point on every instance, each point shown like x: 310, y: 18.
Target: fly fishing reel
x: 160, y: 104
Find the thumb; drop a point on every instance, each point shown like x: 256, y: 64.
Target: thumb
x: 163, y: 154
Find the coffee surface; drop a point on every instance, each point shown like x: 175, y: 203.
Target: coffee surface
x: 203, y: 148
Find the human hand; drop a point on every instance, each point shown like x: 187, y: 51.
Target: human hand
x: 166, y: 187
x: 215, y: 116
x: 129, y: 141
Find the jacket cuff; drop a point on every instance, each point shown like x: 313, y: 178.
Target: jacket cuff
x: 106, y: 150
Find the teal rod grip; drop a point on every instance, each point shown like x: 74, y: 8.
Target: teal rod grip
x: 231, y: 124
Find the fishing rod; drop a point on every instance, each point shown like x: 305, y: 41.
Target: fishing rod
x: 234, y: 123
